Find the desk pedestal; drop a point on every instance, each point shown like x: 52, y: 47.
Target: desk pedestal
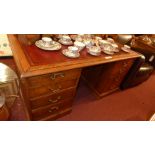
x: 105, y: 79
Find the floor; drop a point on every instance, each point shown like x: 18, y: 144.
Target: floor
x: 134, y: 104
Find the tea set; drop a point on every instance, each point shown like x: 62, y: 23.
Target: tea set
x: 79, y: 45
x: 94, y: 50
x: 74, y: 51
x: 76, y: 43
x: 66, y: 40
x: 47, y: 43
x: 71, y: 52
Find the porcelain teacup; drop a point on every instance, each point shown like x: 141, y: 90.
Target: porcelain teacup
x: 105, y: 45
x: 66, y: 38
x: 79, y: 45
x: 115, y: 47
x: 103, y: 42
x: 109, y: 48
x: 94, y: 50
x: 73, y: 49
x: 88, y: 43
x: 47, y: 41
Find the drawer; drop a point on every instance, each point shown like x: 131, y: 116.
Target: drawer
x: 45, y: 112
x: 53, y: 77
x: 52, y: 88
x: 112, y: 75
x: 52, y: 99
x: 51, y: 110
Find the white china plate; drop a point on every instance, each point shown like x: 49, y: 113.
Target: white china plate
x: 65, y: 43
x: 54, y: 46
x: 67, y: 53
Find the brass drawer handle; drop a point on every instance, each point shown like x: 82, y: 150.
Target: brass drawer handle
x: 52, y: 109
x: 54, y: 75
x: 56, y: 90
x: 54, y: 101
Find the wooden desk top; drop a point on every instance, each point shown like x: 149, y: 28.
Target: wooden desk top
x: 33, y: 61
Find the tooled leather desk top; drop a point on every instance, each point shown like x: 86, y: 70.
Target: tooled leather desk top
x: 32, y: 61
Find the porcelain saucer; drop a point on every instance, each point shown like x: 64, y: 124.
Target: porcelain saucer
x: 69, y: 54
x: 128, y: 50
x: 108, y: 52
x: 52, y: 47
x: 94, y: 54
x: 65, y: 42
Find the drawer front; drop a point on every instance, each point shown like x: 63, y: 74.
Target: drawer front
x: 53, y: 77
x: 112, y: 79
x: 119, y: 76
x: 52, y: 88
x: 51, y: 110
x: 45, y: 112
x: 52, y: 99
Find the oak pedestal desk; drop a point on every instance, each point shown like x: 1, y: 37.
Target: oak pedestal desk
x: 49, y: 79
